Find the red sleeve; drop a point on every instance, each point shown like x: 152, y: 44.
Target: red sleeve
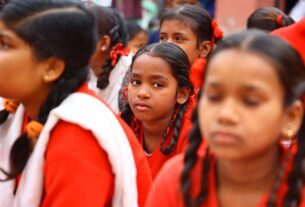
x: 77, y: 171
x: 165, y: 189
x: 144, y: 176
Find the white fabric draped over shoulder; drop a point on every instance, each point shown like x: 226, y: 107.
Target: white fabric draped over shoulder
x: 10, y: 130
x: 111, y: 93
x: 91, y: 114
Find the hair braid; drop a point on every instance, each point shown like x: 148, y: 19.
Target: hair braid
x: 297, y: 175
x: 3, y: 115
x: 177, y: 129
x: 190, y: 159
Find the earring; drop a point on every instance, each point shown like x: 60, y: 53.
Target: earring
x: 289, y: 133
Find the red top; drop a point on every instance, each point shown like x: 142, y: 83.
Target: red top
x: 166, y: 189
x: 78, y: 172
x: 156, y: 159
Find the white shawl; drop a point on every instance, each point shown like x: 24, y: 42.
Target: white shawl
x: 90, y: 114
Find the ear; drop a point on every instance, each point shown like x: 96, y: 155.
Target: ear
x: 293, y: 119
x: 104, y: 43
x: 53, y: 70
x: 204, y: 48
x: 183, y: 94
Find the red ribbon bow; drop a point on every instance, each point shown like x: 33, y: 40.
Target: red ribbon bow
x: 117, y: 50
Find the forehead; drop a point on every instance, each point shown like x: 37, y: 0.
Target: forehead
x: 235, y: 68
x: 176, y: 26
x: 147, y: 65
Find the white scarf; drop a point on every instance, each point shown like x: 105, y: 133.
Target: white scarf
x: 90, y: 114
x: 111, y: 93
x: 9, y: 131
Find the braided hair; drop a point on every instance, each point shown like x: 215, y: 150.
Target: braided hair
x: 291, y: 73
x: 179, y: 63
x: 34, y: 21
x: 109, y: 23
x: 268, y: 19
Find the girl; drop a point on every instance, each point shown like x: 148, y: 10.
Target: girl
x: 64, y: 156
x: 137, y: 37
x: 191, y: 28
x: 268, y: 19
x: 244, y: 120
x: 159, y: 96
x: 111, y: 59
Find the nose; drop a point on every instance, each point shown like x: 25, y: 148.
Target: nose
x: 228, y: 112
x: 143, y: 92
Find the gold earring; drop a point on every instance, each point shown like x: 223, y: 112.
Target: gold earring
x: 289, y: 133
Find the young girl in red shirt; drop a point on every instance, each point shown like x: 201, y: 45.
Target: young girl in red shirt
x: 73, y: 151
x: 160, y: 97
x: 247, y: 109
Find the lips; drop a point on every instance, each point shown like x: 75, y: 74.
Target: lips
x: 142, y: 106
x: 225, y: 138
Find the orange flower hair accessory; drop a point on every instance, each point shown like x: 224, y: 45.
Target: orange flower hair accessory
x: 279, y: 20
x: 10, y: 105
x: 33, y: 129
x: 117, y: 50
x: 217, y: 32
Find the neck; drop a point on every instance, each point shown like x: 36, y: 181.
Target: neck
x: 248, y: 175
x: 32, y: 104
x: 153, y: 132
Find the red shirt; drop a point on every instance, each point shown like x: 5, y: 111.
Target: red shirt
x: 78, y: 172
x: 166, y: 189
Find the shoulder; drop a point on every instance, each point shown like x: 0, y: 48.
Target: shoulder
x: 68, y: 139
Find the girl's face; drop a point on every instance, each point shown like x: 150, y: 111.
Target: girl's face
x: 140, y: 40
x: 179, y: 33
x: 241, y: 112
x: 153, y: 90
x: 21, y: 75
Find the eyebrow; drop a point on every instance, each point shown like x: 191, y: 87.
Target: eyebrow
x: 151, y: 76
x: 248, y: 87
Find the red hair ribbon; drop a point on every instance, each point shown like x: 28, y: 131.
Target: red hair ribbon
x: 217, y: 32
x: 10, y: 105
x: 279, y: 20
x: 117, y: 50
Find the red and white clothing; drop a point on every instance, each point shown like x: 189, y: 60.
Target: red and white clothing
x: 156, y: 159
x: 166, y: 190
x: 84, y: 156
x: 111, y: 93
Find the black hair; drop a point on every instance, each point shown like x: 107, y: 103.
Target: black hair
x: 178, y: 61
x: 133, y: 29
x: 110, y: 23
x: 291, y: 72
x: 268, y: 19
x: 196, y: 17
x: 65, y: 30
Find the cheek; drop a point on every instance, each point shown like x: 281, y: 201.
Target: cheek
x: 265, y: 124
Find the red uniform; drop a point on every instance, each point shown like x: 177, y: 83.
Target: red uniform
x: 77, y: 170
x: 166, y: 189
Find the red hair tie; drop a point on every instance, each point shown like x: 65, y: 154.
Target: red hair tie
x: 217, y: 32
x: 10, y: 105
x: 117, y: 50
x: 279, y: 20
